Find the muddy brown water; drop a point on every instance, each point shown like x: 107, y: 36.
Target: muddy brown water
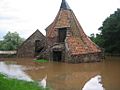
x: 64, y: 76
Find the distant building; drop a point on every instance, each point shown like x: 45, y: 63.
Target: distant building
x: 65, y: 40
x: 32, y: 46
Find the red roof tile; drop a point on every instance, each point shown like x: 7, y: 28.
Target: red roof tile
x: 77, y: 46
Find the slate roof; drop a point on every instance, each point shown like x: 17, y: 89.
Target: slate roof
x: 64, y: 5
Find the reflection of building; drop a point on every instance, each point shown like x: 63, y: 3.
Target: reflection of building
x: 66, y: 40
x: 32, y: 46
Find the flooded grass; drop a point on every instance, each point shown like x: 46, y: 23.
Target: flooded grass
x: 40, y: 60
x: 14, y: 84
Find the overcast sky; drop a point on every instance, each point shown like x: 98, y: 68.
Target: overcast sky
x: 25, y: 16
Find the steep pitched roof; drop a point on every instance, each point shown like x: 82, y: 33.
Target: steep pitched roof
x: 76, y: 46
x: 78, y: 42
x: 62, y: 20
x: 63, y: 12
x: 36, y: 32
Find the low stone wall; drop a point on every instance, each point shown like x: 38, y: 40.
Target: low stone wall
x: 93, y: 57
x: 7, y: 52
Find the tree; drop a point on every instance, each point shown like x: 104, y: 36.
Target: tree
x: 92, y: 37
x: 111, y: 33
x: 97, y: 39
x: 11, y: 41
x: 109, y: 38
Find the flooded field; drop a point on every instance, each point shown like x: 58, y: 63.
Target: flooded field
x: 64, y: 76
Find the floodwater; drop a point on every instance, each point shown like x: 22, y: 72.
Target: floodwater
x: 64, y: 76
x: 14, y: 71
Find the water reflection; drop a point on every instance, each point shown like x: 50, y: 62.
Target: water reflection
x: 43, y: 82
x: 14, y: 71
x: 94, y: 83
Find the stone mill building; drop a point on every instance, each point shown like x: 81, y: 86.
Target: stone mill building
x: 66, y: 40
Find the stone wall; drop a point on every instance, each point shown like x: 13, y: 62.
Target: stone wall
x: 93, y: 57
x: 27, y: 49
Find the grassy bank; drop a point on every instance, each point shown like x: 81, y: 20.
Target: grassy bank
x: 40, y: 60
x: 14, y: 84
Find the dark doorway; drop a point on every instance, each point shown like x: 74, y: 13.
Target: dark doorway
x: 62, y: 34
x: 57, y: 56
x: 38, y: 47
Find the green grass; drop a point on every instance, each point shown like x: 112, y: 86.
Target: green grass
x: 14, y: 84
x: 41, y: 60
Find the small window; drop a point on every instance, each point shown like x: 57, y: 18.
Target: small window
x: 62, y: 34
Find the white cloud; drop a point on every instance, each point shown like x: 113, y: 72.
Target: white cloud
x: 28, y: 15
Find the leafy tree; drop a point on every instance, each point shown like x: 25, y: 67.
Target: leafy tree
x: 11, y: 41
x: 92, y: 37
x: 110, y: 31
x: 0, y: 43
x: 109, y: 38
x: 97, y: 39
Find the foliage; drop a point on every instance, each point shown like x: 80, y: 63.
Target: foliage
x: 41, y: 61
x: 11, y: 41
x: 14, y: 84
x: 109, y: 38
x: 97, y: 39
x: 92, y: 37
